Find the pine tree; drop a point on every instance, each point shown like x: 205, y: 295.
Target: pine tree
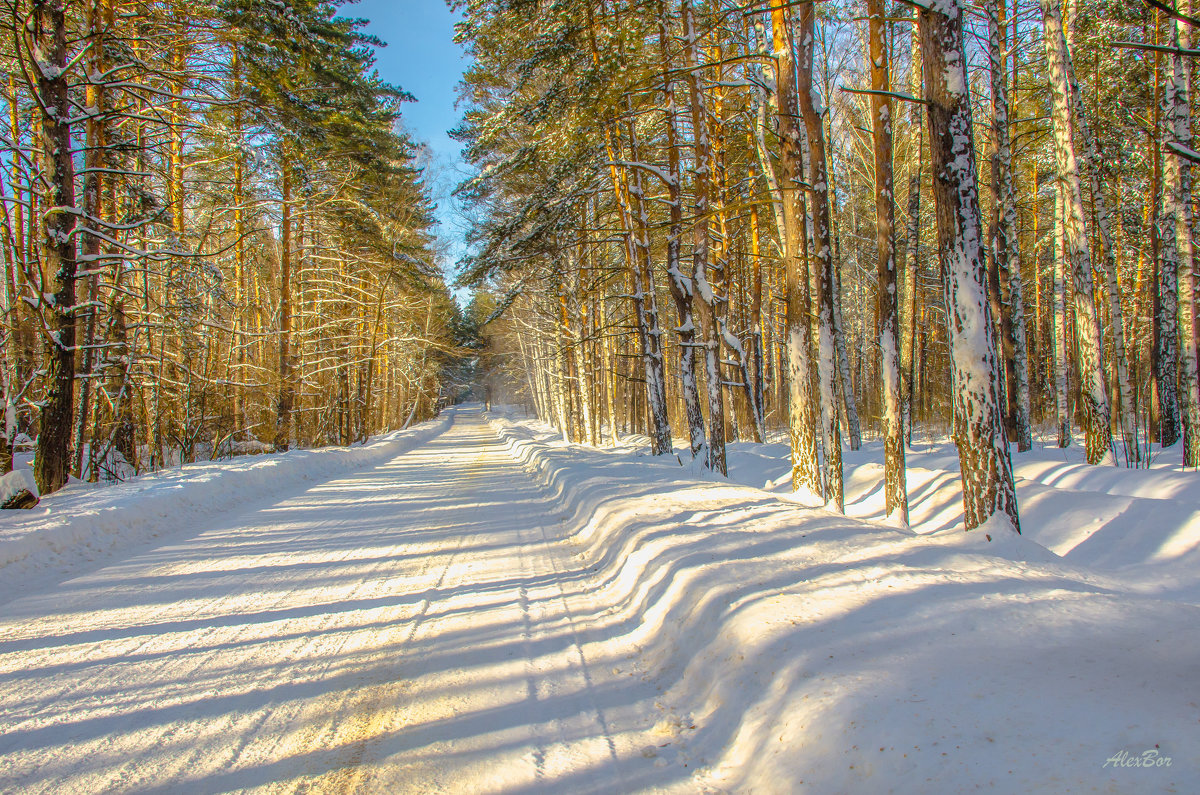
x: 988, y: 488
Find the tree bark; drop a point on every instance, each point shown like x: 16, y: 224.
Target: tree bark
x: 912, y: 252
x: 1006, y: 244
x: 887, y: 319
x: 802, y: 417
x: 704, y: 297
x: 1061, y: 365
x: 987, y: 479
x: 286, y: 395
x: 1179, y: 195
x: 1088, y: 338
x: 48, y: 39
x: 823, y: 262
x: 680, y: 285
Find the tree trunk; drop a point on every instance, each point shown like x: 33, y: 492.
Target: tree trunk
x: 894, y: 487
x: 987, y: 478
x: 635, y: 230
x: 681, y: 286
x: 1088, y: 338
x: 53, y: 457
x: 704, y: 301
x: 283, y: 413
x: 1061, y: 366
x: 1179, y: 195
x: 912, y: 252
x: 831, y: 436
x: 1126, y: 414
x: 802, y: 423
x: 1006, y: 254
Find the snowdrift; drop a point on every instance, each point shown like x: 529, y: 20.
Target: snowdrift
x: 1142, y: 526
x: 792, y: 649
x: 82, y: 524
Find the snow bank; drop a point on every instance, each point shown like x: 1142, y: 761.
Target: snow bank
x: 797, y: 650
x: 13, y: 483
x: 1141, y: 525
x: 81, y: 523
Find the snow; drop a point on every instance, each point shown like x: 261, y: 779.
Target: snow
x: 13, y: 483
x: 489, y: 609
x: 817, y: 652
x: 81, y: 525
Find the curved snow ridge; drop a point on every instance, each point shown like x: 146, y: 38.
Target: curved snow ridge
x: 794, y: 649
x: 1159, y: 484
x: 1139, y: 526
x: 84, y: 524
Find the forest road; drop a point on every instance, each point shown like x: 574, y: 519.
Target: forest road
x: 408, y: 627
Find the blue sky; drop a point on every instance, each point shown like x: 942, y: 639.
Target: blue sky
x: 422, y: 58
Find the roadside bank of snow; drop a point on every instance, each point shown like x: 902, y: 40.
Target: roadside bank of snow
x: 798, y: 650
x: 80, y: 524
x: 1140, y: 526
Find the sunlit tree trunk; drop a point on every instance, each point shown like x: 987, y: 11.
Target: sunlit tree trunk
x: 802, y: 402
x: 1088, y: 339
x: 822, y: 262
x: 47, y: 42
x: 286, y: 394
x: 895, y: 492
x: 704, y: 301
x: 912, y: 265
x: 987, y: 479
x: 1005, y: 242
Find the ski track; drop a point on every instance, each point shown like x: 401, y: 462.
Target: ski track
x: 403, y: 628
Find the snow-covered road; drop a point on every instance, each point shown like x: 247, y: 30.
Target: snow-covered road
x: 495, y: 611
x: 402, y: 628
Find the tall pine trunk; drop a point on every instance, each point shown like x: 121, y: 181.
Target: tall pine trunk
x: 680, y: 285
x: 53, y: 457
x: 987, y: 479
x: 895, y: 492
x: 912, y: 239
x: 635, y: 231
x: 286, y: 394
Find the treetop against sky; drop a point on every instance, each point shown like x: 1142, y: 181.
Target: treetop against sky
x: 422, y: 57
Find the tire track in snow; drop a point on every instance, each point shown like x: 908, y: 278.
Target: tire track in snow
x: 405, y: 628
x: 178, y: 678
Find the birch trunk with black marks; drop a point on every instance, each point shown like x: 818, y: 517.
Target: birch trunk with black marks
x: 1061, y: 365
x: 1106, y: 266
x: 802, y: 402
x: 1165, y: 357
x: 704, y: 299
x: 822, y: 261
x: 1089, y: 343
x: 1005, y: 241
x: 1179, y: 194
